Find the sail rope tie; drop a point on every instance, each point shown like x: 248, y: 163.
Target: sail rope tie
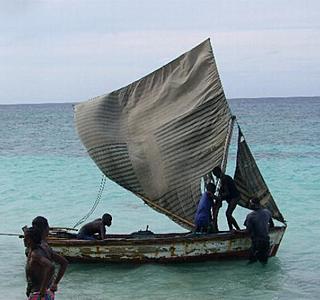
x: 95, y: 204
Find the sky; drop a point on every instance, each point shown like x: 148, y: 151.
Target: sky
x: 73, y: 50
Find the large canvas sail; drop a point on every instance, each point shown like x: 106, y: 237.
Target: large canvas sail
x: 158, y: 136
x: 250, y: 182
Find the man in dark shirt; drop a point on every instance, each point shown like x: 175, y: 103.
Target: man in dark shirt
x: 229, y: 192
x: 258, y: 223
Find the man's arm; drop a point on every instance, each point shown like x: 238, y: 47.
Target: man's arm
x: 63, y: 263
x: 102, y: 231
x: 247, y: 223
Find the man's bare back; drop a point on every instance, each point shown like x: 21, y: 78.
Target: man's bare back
x: 89, y: 230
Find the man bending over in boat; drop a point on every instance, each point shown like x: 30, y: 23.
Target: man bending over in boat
x: 203, y: 218
x: 258, y: 223
x: 88, y: 231
x: 229, y: 192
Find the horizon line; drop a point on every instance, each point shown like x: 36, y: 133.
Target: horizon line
x: 233, y: 98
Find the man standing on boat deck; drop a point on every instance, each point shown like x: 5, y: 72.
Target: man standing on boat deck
x: 203, y: 217
x: 258, y: 223
x: 88, y: 231
x: 229, y: 192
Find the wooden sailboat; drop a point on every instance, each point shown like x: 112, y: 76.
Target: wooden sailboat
x: 159, y: 137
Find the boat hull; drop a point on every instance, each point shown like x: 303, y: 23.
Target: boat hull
x: 162, y: 248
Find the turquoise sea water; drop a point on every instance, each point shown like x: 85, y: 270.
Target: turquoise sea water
x: 44, y: 170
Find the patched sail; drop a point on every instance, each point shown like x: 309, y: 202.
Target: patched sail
x: 250, y: 182
x: 158, y: 136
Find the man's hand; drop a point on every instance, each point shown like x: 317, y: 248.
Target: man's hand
x: 54, y: 287
x: 218, y: 198
x: 42, y: 294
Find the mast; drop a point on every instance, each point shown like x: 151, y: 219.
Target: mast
x: 226, y: 150
x: 227, y: 144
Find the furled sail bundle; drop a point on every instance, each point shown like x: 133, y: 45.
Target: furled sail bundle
x: 158, y: 136
x: 250, y: 182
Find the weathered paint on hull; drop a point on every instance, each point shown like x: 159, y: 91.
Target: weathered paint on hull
x: 162, y: 248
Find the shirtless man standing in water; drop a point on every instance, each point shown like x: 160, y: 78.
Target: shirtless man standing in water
x: 42, y: 225
x: 39, y: 269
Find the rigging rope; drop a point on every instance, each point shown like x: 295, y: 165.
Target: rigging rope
x: 95, y: 204
x: 12, y: 234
